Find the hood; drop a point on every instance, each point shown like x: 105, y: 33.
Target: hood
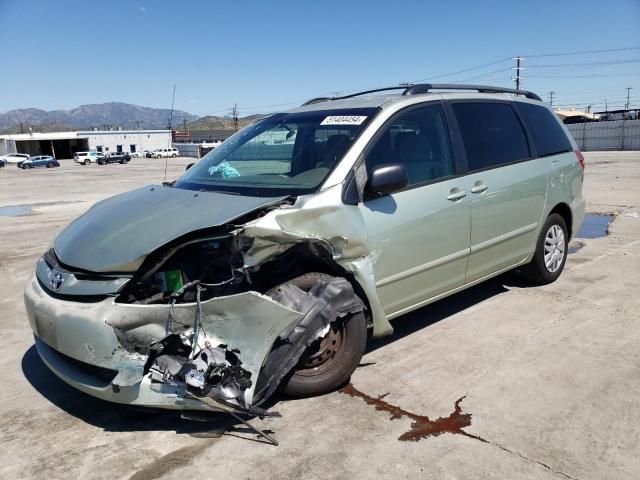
x: 116, y: 234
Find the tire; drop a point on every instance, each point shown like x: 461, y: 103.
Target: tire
x: 544, y: 272
x: 174, y: 155
x: 314, y: 375
x: 86, y: 162
x: 50, y: 165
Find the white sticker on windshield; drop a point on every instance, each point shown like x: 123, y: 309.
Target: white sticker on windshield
x: 343, y: 120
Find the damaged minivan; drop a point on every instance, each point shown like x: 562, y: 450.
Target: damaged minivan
x: 270, y: 262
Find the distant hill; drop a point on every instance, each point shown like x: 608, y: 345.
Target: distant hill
x: 44, y: 128
x: 110, y: 114
x: 212, y: 122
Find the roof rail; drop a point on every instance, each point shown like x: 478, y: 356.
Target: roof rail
x: 427, y: 87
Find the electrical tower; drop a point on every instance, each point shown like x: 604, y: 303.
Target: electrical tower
x: 234, y: 116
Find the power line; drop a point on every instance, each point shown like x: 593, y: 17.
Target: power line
x: 586, y: 64
x: 484, y: 65
x: 592, y: 75
x: 583, y: 52
x: 483, y: 75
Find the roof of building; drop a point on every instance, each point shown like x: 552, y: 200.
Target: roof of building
x: 73, y: 135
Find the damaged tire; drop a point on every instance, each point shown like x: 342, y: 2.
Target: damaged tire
x: 329, y: 362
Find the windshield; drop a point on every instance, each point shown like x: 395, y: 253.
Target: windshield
x: 283, y: 154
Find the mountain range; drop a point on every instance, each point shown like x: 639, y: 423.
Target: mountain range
x: 112, y: 114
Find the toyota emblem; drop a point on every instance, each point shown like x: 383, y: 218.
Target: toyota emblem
x: 56, y: 280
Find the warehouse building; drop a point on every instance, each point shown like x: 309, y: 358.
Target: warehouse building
x: 64, y: 144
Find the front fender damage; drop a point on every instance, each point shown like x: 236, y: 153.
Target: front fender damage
x: 217, y: 355
x: 216, y: 349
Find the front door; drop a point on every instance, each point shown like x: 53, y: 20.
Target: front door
x: 420, y: 235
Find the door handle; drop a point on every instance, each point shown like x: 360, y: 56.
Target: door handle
x: 456, y: 194
x: 479, y: 187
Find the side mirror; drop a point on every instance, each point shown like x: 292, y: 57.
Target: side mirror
x: 189, y: 166
x: 386, y: 179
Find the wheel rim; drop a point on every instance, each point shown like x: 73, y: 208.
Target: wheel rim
x: 322, y: 356
x: 554, y: 248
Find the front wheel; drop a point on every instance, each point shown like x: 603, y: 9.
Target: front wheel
x: 50, y: 165
x: 87, y: 162
x: 551, y: 252
x: 329, y: 362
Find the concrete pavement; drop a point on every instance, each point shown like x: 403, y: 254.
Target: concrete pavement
x: 548, y: 377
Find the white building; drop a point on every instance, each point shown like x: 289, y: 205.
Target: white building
x: 65, y: 144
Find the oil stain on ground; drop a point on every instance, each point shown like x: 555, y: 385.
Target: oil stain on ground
x: 421, y: 425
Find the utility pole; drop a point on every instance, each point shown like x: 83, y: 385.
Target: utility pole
x: 551, y: 98
x: 234, y: 116
x: 626, y: 105
x: 517, y: 78
x: 21, y: 128
x: 184, y: 124
x: 173, y: 98
x: 606, y: 109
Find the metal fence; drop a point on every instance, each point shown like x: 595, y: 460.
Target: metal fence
x: 616, y: 135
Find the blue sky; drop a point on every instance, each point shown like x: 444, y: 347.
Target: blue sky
x: 61, y: 54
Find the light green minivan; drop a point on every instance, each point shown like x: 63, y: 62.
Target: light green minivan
x: 273, y: 259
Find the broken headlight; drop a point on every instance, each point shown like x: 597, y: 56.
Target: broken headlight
x: 165, y: 277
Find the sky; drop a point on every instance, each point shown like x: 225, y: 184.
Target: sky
x: 268, y: 56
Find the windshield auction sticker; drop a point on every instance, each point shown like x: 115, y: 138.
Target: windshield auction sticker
x: 343, y: 120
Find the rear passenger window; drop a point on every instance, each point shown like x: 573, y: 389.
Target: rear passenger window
x: 491, y: 133
x: 419, y: 140
x: 548, y: 136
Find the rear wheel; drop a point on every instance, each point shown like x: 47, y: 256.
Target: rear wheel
x: 551, y: 251
x: 50, y: 165
x: 87, y: 162
x: 329, y: 362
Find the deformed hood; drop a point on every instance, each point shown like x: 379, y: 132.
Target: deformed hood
x: 116, y: 234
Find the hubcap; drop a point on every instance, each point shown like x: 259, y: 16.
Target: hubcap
x: 321, y: 356
x: 554, y: 248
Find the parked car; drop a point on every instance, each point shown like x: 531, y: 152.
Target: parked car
x: 267, y: 265
x: 86, y: 158
x: 38, y: 161
x: 14, y: 158
x: 165, y: 153
x: 142, y: 153
x: 114, y: 157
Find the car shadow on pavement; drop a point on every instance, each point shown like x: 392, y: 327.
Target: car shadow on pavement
x: 442, y: 309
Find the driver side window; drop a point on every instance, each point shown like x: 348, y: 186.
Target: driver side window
x: 419, y: 140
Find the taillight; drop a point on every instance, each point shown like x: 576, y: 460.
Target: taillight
x: 580, y: 159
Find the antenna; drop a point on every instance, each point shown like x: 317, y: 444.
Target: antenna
x: 166, y: 159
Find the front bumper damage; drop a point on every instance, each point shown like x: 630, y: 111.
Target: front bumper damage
x: 142, y: 355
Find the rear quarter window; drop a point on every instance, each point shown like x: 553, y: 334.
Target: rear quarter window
x: 548, y: 135
x: 491, y: 133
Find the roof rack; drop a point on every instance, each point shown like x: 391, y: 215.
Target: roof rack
x: 427, y: 87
